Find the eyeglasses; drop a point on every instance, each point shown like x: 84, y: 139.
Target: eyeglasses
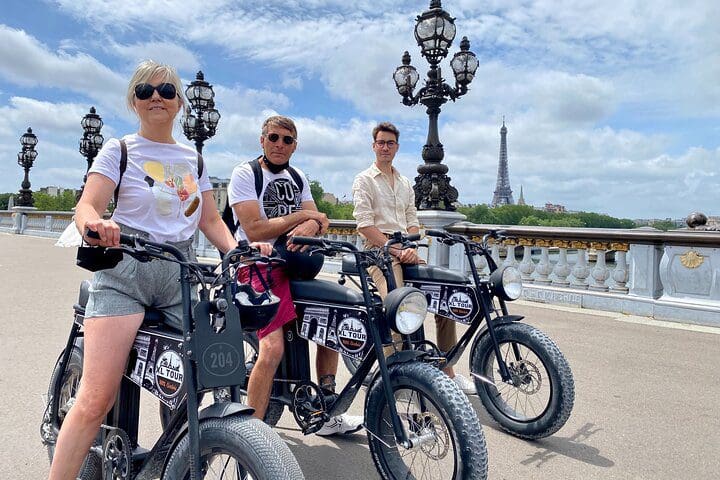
x: 389, y: 143
x: 143, y: 91
x: 274, y: 137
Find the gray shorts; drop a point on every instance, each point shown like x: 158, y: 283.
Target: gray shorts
x: 132, y: 286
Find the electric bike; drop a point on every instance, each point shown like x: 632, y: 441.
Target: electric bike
x: 176, y: 363
x: 522, y: 378
x: 419, y: 423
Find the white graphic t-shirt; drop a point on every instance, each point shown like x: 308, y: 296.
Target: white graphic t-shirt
x: 159, y: 193
x: 280, y: 195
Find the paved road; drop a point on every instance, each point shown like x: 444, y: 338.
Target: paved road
x: 647, y: 395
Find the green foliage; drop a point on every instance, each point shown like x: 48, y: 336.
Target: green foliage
x: 317, y: 191
x: 527, y: 215
x: 664, y: 225
x: 340, y: 211
x: 4, y: 199
x: 62, y: 203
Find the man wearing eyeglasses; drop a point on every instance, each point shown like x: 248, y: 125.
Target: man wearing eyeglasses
x: 272, y: 200
x: 385, y: 203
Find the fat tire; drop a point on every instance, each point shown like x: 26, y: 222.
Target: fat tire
x: 247, y: 439
x: 562, y: 384
x: 471, y: 462
x: 91, y: 468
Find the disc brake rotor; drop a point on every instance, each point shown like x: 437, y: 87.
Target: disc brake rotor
x: 427, y: 425
x: 526, y: 376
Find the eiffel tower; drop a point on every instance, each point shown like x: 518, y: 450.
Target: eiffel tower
x: 503, y: 192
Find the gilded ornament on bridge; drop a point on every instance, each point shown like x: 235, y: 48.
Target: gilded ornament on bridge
x: 691, y: 259
x: 620, y: 247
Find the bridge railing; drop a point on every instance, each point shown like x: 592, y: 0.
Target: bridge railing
x: 667, y: 275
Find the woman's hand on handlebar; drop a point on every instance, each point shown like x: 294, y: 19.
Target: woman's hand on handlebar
x: 108, y: 230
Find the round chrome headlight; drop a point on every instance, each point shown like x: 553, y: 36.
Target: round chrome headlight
x: 406, y: 309
x: 506, y: 283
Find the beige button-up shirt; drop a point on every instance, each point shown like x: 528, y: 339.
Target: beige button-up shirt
x: 380, y: 205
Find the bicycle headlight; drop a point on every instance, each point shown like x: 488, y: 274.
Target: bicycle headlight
x: 406, y: 308
x: 506, y: 283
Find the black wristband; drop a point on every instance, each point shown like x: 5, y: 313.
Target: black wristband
x: 319, y: 224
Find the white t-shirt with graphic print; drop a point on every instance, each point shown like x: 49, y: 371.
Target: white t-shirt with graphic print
x: 280, y: 196
x: 159, y: 193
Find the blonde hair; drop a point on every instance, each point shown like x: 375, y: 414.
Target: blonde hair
x: 149, y: 69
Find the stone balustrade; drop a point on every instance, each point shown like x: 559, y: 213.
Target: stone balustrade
x: 666, y: 275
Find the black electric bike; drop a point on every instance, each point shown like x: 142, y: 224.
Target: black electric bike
x: 177, y: 364
x: 419, y: 423
x: 522, y: 378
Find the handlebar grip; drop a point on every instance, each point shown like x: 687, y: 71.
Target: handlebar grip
x: 435, y: 233
x: 308, y: 241
x: 413, y: 238
x: 125, y: 239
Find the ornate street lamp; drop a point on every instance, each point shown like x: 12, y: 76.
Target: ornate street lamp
x: 201, y: 117
x: 26, y: 157
x: 435, y: 32
x: 91, y: 141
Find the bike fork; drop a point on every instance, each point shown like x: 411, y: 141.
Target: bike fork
x: 400, y: 435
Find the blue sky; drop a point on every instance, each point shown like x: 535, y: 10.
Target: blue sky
x: 611, y: 106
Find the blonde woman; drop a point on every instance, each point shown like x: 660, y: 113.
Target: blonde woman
x: 161, y: 195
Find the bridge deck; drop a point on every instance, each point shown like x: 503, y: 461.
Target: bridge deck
x: 646, y: 392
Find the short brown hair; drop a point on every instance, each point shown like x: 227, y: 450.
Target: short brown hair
x: 386, y: 127
x: 279, y: 121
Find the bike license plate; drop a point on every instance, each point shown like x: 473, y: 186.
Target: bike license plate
x: 338, y: 328
x: 456, y: 302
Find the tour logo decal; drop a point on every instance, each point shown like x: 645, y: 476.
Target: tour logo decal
x: 169, y: 373
x: 352, y: 334
x: 460, y: 304
x: 281, y: 197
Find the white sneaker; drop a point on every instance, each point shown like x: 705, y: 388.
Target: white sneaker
x: 467, y: 386
x: 343, y: 424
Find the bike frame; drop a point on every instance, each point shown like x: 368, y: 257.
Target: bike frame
x: 487, y: 312
x: 294, y: 368
x: 125, y: 412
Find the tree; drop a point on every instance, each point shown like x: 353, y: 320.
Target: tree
x: 4, y: 199
x: 664, y: 225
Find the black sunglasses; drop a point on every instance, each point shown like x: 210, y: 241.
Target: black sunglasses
x: 143, y: 91
x: 274, y: 137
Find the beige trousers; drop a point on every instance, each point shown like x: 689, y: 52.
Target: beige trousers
x: 444, y: 327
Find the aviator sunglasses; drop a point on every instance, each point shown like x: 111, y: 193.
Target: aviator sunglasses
x: 143, y: 91
x: 274, y: 137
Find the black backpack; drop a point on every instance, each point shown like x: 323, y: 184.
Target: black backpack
x: 227, y: 215
x: 123, y: 167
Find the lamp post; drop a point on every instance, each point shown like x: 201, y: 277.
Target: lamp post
x: 434, y: 32
x: 91, y: 141
x: 26, y: 157
x: 201, y: 117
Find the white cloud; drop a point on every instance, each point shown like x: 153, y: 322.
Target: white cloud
x: 25, y: 61
x: 168, y: 52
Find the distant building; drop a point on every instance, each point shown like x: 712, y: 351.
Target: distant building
x: 219, y: 186
x: 554, y: 208
x: 330, y: 198
x: 521, y: 200
x: 54, y: 191
x: 503, y: 192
